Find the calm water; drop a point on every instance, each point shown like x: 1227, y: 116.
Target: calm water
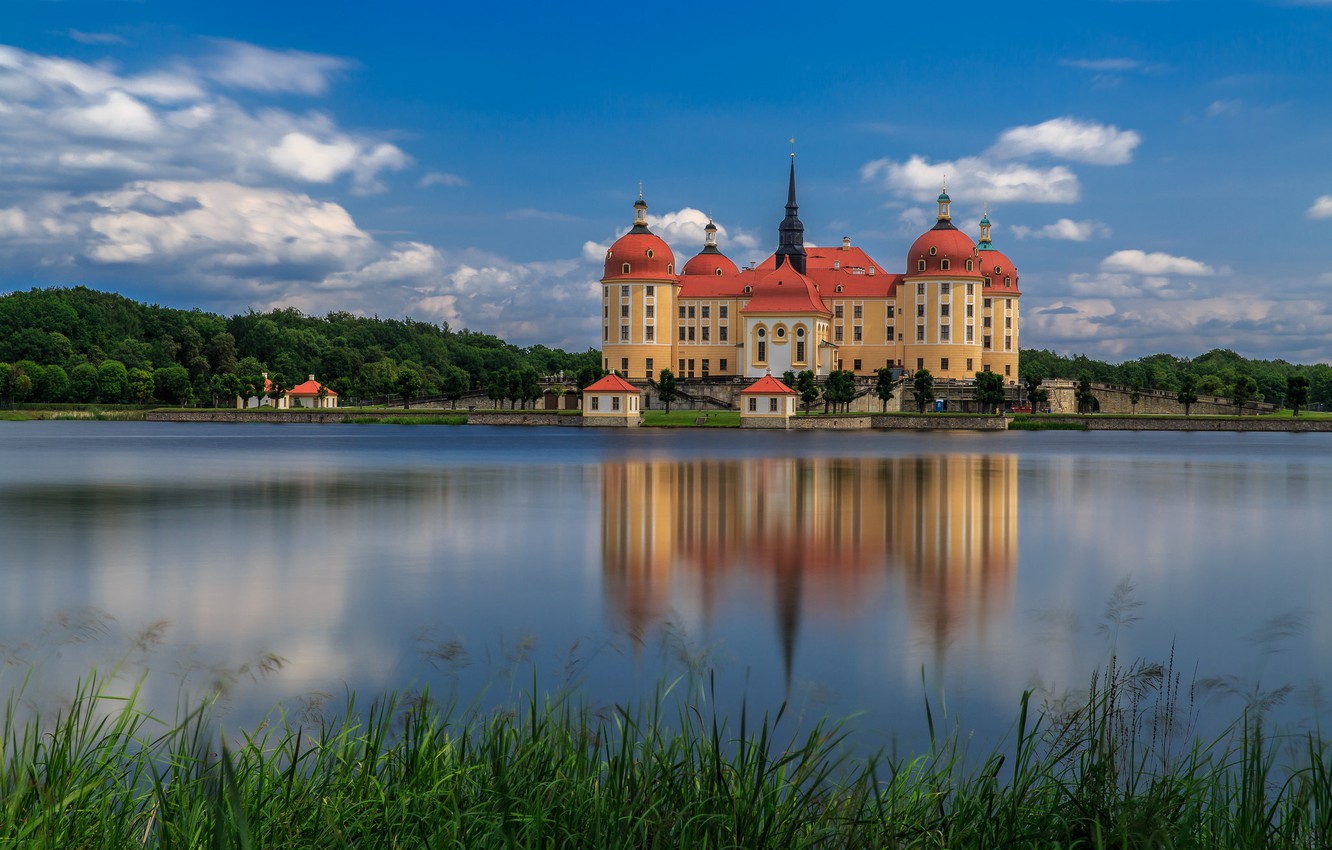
x: 848, y: 573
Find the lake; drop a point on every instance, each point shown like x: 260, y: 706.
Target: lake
x: 853, y: 573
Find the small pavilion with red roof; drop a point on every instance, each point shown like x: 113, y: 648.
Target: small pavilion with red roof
x: 611, y: 402
x: 767, y: 403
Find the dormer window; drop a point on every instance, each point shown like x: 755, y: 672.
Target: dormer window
x: 933, y: 251
x: 748, y: 289
x: 987, y: 280
x: 719, y: 271
x: 1008, y: 281
x: 839, y: 287
x: 670, y: 268
x: 649, y: 253
x: 624, y: 269
x: 968, y: 265
x: 943, y: 265
x: 997, y: 270
x: 920, y: 266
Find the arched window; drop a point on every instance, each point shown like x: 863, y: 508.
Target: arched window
x: 968, y: 265
x: 944, y: 265
x: 839, y: 287
x: 719, y: 271
x: 670, y: 268
x: 650, y: 254
x: 920, y: 266
x: 933, y: 251
x: 748, y: 289
x: 1008, y: 281
x: 624, y: 269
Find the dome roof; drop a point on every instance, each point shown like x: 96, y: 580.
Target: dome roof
x: 646, y: 254
x: 710, y: 262
x: 943, y: 242
x: 997, y: 268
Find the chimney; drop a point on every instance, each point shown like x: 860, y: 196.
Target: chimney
x: 312, y: 377
x: 846, y: 243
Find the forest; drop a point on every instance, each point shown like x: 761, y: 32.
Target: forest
x: 84, y: 346
x: 80, y: 345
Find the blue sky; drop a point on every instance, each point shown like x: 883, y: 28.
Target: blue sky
x: 1160, y: 173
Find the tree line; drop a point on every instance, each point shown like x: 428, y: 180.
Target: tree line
x: 83, y: 346
x: 1220, y: 372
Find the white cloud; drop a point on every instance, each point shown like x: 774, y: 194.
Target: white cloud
x: 1154, y: 263
x: 1070, y: 139
x: 1065, y: 229
x: 248, y: 66
x: 1322, y: 208
x: 95, y: 37
x: 976, y: 177
x: 1218, y: 108
x: 683, y: 231
x: 1107, y: 64
x: 440, y: 178
x: 64, y: 120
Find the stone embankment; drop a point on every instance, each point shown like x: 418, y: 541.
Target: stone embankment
x: 1191, y: 423
x: 523, y: 417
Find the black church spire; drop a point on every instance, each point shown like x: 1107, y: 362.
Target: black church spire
x: 791, y: 233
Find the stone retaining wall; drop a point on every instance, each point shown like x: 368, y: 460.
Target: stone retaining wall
x: 830, y: 423
x: 1139, y: 423
x: 939, y: 422
x: 522, y: 417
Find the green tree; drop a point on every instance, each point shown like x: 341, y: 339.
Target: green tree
x: 1242, y: 392
x: 989, y: 391
x: 112, y: 382
x: 408, y: 385
x: 529, y: 386
x: 83, y: 383
x: 455, y: 383
x: 55, y: 384
x: 1186, y: 396
x: 497, y: 388
x: 1084, y: 397
x: 26, y: 378
x: 277, y: 387
x: 808, y: 388
x: 1036, y: 395
x: 1135, y: 396
x: 172, y: 384
x: 839, y: 390
x: 789, y: 378
x: 667, y: 389
x: 1297, y: 392
x: 141, y: 384
x: 922, y: 389
x: 883, y: 387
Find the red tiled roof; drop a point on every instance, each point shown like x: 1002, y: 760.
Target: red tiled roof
x: 768, y: 385
x: 708, y: 263
x: 310, y: 388
x: 785, y: 291
x: 950, y: 244
x: 612, y: 384
x: 633, y: 248
x: 996, y: 267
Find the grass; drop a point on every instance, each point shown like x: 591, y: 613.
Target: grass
x: 418, y: 419
x: 689, y: 418
x: 89, y: 413
x: 1116, y: 767
x: 1024, y: 423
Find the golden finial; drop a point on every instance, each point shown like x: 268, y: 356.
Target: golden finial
x: 640, y: 190
x: 793, y: 147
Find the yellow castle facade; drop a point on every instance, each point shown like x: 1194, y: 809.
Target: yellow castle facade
x: 952, y: 308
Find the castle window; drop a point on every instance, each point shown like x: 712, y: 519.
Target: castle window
x: 933, y: 251
x: 624, y: 310
x: 920, y: 265
x: 649, y: 333
x: 837, y: 334
x: 624, y: 290
x: 944, y: 287
x: 920, y: 309
x: 753, y: 405
x: 650, y: 312
x: 968, y: 265
x: 691, y: 311
x: 800, y: 333
x: 772, y: 405
x: 762, y: 333
x: 748, y: 289
x: 682, y: 311
x: 943, y: 334
x: 943, y: 309
x: 705, y: 368
x: 615, y: 402
x: 985, y: 343
x: 719, y: 272
x: 970, y: 338
x: 920, y: 363
x: 855, y: 365
x: 1008, y: 281
x: 649, y: 253
x: 706, y: 310
x: 705, y: 332
x: 889, y: 333
x: 943, y: 364
x: 858, y: 334
x: 624, y: 333
x: 998, y: 270
x: 970, y: 310
x: 800, y: 351
x: 920, y: 333
x: 968, y: 364
x: 1008, y: 370
x: 762, y: 351
x: 970, y: 289
x: 858, y: 312
x: 721, y: 311
x: 986, y: 321
x: 670, y: 268
x: 839, y: 288
x: 649, y: 368
x: 837, y: 311
x: 682, y: 333
x: 987, y: 280
x: 723, y: 365
x: 920, y: 289
x: 987, y: 303
x: 649, y: 291
x: 691, y: 334
x: 596, y: 402
x: 721, y: 333
x: 944, y: 265
x: 891, y: 310
x: 624, y: 269
x: 781, y: 333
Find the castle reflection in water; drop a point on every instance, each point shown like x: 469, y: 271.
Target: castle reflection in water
x: 812, y: 538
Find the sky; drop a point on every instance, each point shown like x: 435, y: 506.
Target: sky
x: 1159, y: 172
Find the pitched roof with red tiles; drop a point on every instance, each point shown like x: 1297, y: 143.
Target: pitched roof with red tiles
x: 768, y: 385
x: 785, y: 291
x: 310, y: 388
x: 612, y: 384
x: 713, y: 262
x: 647, y: 254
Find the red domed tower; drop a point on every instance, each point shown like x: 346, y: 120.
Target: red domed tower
x: 710, y: 260
x: 940, y: 300
x: 1000, y: 309
x: 638, y: 290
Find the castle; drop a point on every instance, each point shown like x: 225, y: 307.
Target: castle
x: 953, y: 309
